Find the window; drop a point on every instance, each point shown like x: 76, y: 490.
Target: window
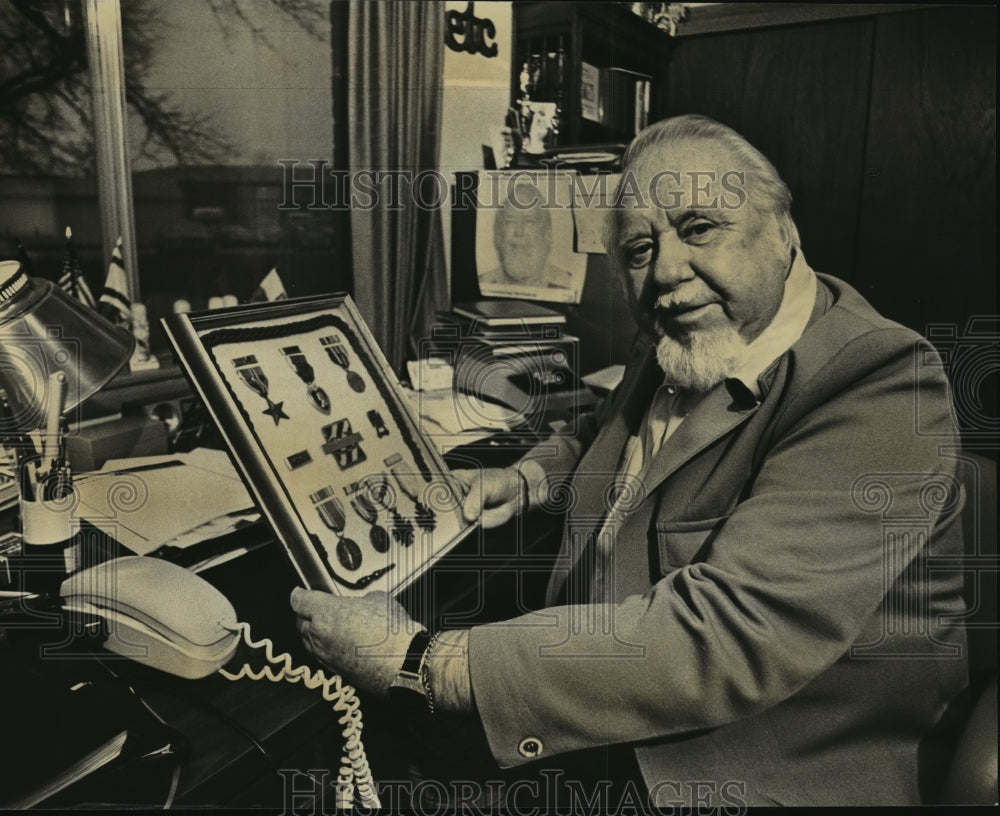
x: 47, y: 171
x: 218, y: 93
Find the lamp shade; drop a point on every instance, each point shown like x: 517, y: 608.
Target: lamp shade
x: 43, y: 330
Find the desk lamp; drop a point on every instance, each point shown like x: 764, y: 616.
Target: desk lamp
x: 54, y: 354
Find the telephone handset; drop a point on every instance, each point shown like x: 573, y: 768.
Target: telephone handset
x: 166, y: 616
x: 157, y: 613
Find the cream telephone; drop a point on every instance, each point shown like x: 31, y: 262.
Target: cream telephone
x: 157, y: 613
x: 165, y: 616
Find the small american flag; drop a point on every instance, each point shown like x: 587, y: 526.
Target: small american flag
x: 71, y: 279
x: 270, y: 288
x: 116, y: 304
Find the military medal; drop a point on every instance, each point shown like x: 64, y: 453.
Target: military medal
x: 331, y: 511
x: 343, y: 444
x: 349, y: 553
x: 375, y: 418
x: 297, y: 360
x: 368, y: 512
x: 378, y: 490
x: 253, y: 375
x: 335, y: 351
x: 298, y: 459
x: 402, y: 530
x: 424, y: 516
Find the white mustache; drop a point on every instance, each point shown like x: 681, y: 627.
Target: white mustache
x: 674, y: 302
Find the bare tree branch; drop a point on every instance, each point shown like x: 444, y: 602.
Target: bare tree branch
x: 307, y: 14
x: 45, y: 95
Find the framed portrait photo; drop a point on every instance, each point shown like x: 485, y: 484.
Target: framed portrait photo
x: 524, y: 236
x: 328, y: 445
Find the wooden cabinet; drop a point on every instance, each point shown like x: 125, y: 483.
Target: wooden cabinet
x: 604, y: 67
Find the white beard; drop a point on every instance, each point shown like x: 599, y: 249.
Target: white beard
x: 705, y: 360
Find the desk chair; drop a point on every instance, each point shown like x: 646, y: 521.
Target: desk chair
x: 972, y: 774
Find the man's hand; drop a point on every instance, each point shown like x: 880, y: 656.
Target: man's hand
x: 493, y: 495
x: 363, y: 639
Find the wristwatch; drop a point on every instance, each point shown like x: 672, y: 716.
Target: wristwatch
x: 407, y: 690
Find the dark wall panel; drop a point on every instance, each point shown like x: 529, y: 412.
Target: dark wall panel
x: 799, y: 94
x: 927, y: 241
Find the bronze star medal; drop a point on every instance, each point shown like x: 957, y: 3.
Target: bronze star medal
x: 253, y: 375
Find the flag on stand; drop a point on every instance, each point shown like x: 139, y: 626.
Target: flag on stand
x: 270, y: 288
x: 23, y: 258
x: 71, y: 279
x: 116, y: 304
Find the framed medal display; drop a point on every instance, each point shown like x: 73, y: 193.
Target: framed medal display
x: 328, y: 445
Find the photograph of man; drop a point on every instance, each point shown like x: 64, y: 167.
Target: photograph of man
x: 532, y: 243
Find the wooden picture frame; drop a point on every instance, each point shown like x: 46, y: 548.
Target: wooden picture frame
x: 328, y: 445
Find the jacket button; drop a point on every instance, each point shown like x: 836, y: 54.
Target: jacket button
x: 530, y: 747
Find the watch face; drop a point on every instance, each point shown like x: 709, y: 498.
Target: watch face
x: 407, y: 693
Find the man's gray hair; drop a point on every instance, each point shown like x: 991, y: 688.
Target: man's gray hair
x: 768, y: 193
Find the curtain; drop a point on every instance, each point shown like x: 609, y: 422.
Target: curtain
x: 395, y: 60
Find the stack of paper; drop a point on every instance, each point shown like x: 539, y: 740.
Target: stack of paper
x: 147, y: 502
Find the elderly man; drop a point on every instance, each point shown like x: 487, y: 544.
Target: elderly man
x: 743, y: 598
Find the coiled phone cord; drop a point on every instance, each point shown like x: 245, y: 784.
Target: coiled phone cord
x: 354, y: 774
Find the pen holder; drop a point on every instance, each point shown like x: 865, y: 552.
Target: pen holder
x: 48, y: 543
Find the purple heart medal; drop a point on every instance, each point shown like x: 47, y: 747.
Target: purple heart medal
x: 297, y: 360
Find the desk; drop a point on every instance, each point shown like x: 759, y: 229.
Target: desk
x: 243, y: 738
x: 239, y: 735
x: 228, y: 726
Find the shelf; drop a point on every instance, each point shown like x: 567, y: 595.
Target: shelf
x: 596, y: 61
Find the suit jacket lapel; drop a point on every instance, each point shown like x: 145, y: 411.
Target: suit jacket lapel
x: 590, y: 487
x: 605, y: 452
x: 714, y: 417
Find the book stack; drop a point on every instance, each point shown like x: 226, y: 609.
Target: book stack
x: 513, y: 352
x: 510, y: 327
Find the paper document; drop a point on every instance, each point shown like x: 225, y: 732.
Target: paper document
x: 450, y: 418
x: 146, y: 502
x: 431, y: 374
x: 85, y: 766
x: 606, y: 379
x: 593, y: 197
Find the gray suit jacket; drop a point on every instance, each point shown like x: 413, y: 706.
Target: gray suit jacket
x: 772, y: 627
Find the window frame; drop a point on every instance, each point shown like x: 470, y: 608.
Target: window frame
x: 102, y: 21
